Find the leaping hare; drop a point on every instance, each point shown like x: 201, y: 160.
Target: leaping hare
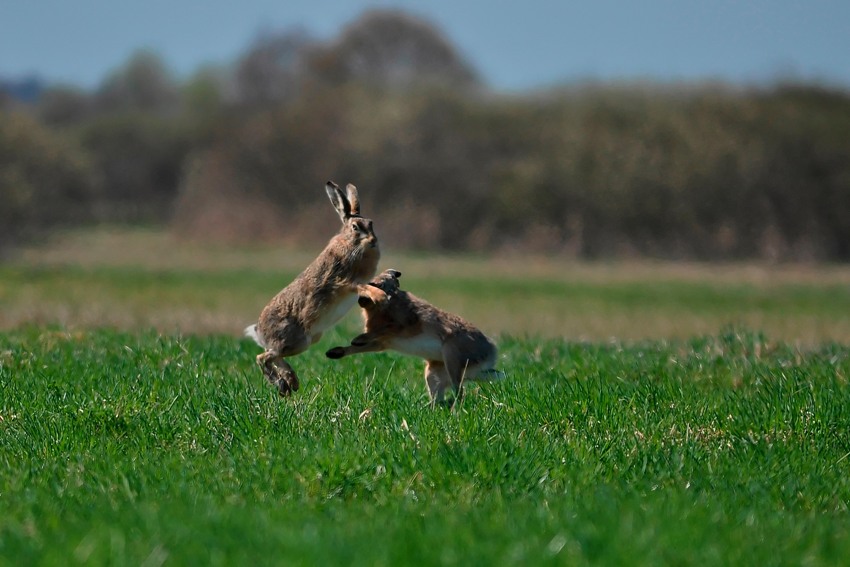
x: 454, y: 350
x: 297, y: 316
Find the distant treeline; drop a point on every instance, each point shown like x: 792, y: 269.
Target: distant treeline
x: 241, y: 153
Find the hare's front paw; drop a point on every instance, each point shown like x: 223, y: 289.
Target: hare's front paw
x: 361, y: 340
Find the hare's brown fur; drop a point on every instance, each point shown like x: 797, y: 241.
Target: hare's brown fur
x: 454, y: 350
x: 298, y: 315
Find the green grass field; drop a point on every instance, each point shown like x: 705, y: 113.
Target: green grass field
x: 136, y: 448
x: 135, y: 428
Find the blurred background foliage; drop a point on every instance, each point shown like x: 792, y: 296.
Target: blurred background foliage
x: 239, y: 153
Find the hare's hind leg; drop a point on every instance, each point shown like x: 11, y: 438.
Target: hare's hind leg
x: 438, y: 381
x: 457, y: 369
x: 279, y: 372
x: 287, y: 338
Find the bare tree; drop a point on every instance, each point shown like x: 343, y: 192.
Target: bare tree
x: 144, y: 83
x: 393, y: 49
x: 273, y: 68
x: 64, y: 105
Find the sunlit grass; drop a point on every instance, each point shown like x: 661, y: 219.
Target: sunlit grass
x: 140, y: 448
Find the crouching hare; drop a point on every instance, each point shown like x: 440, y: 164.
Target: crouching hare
x: 319, y: 297
x: 454, y: 351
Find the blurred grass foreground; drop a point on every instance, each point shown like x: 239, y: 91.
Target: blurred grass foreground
x: 238, y: 153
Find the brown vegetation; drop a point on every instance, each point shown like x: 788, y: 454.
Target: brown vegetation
x: 140, y: 278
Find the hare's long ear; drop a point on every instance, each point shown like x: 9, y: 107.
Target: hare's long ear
x: 389, y: 280
x: 338, y: 200
x: 353, y: 199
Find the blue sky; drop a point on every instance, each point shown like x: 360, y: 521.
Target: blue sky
x: 514, y: 45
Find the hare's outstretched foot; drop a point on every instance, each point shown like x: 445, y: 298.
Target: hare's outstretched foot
x: 360, y: 344
x: 336, y: 352
x: 286, y: 381
x: 364, y: 342
x: 278, y: 372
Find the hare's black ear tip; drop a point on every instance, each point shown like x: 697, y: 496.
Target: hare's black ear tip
x: 331, y: 185
x: 394, y: 273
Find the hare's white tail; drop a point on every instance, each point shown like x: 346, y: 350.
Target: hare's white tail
x: 251, y: 331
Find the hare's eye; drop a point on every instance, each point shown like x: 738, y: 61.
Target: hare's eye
x: 354, y: 227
